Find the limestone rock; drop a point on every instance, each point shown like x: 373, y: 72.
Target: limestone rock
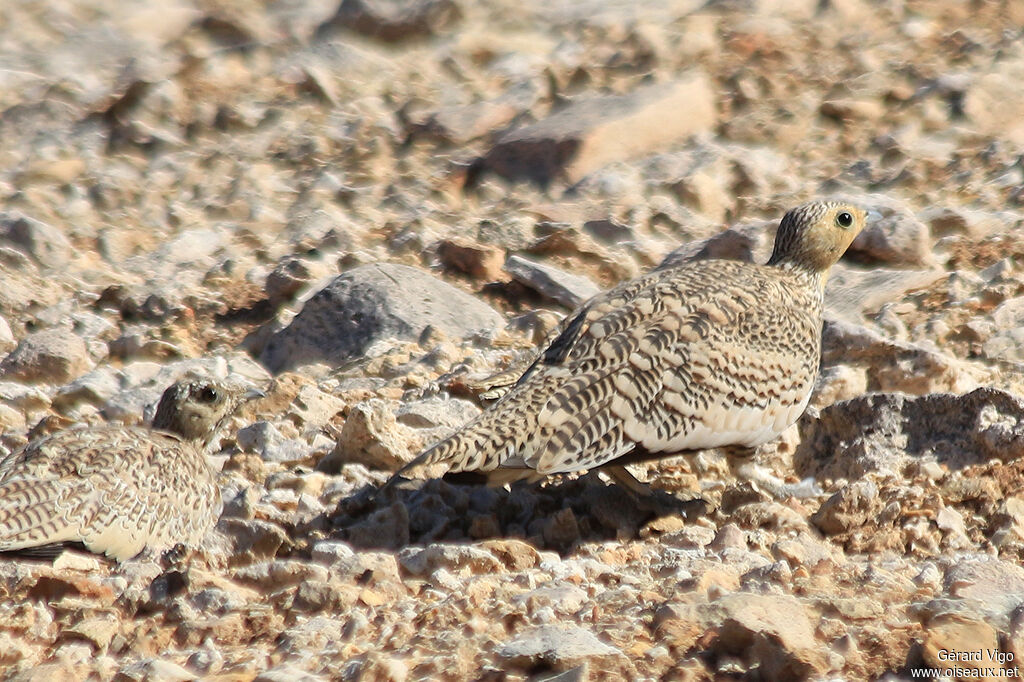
x: 371, y: 436
x: 52, y: 355
x: 454, y: 558
x: 478, y: 261
x: 849, y: 508
x: 771, y: 632
x: 370, y: 303
x: 749, y: 243
x: 44, y: 243
x: 393, y: 22
x: 556, y: 646
x: 7, y: 340
x: 898, y: 238
x: 853, y: 292
x: 560, y: 286
x: 891, y: 365
x: 591, y: 133
x: 885, y: 432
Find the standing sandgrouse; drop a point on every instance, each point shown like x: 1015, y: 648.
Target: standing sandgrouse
x: 120, y: 489
x: 701, y: 355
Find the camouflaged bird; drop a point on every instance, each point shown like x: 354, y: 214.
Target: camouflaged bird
x: 700, y: 355
x: 119, y: 489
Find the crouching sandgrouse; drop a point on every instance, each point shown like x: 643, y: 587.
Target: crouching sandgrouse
x: 120, y: 489
x: 700, y: 355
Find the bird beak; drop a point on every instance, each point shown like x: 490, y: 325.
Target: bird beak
x: 253, y: 394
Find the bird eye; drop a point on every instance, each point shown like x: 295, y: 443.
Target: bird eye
x: 206, y: 395
x: 844, y: 219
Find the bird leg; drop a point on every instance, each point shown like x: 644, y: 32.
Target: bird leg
x: 660, y: 502
x: 742, y: 464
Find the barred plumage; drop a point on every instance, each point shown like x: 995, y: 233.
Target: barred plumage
x: 120, y: 489
x: 700, y: 355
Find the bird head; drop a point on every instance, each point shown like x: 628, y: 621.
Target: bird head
x: 815, y: 235
x: 196, y: 409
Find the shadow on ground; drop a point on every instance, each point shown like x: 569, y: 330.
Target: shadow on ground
x: 553, y: 515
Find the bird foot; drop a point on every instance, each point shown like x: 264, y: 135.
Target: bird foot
x: 657, y: 502
x: 771, y: 484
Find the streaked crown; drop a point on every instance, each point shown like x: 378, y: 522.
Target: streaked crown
x: 815, y: 235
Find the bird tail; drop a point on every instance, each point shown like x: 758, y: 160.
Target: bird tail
x: 505, y: 435
x: 475, y: 447
x: 33, y: 513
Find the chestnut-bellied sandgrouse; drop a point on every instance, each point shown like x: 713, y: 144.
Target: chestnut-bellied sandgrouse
x: 120, y: 489
x: 703, y: 354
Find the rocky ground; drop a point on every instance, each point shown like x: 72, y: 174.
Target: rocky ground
x: 366, y: 209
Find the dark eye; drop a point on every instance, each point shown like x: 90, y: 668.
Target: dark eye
x: 844, y: 219
x: 206, y: 394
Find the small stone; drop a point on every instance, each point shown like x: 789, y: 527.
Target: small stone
x: 287, y: 673
x: 559, y: 647
x: 99, y: 630
x: 950, y: 520
x: 948, y: 220
x: 459, y: 559
x: 276, y: 574
x: 50, y: 356
x: 991, y: 103
x: 45, y: 243
x: 847, y: 509
x: 371, y: 436
x: 898, y: 238
x: 154, y: 670
x: 289, y: 277
x: 565, y: 599
x: 885, y: 432
x: 435, y: 411
x: 851, y: 292
x: 192, y: 247
x: 386, y: 528
x: 747, y: 243
x: 560, y: 286
x: 772, y: 630
x: 462, y: 123
x: 994, y: 587
x: 95, y: 388
x: 331, y: 551
x: 562, y: 529
x: 7, y: 340
x: 516, y: 555
x: 264, y: 438
x: 729, y: 536
x: 251, y: 539
x: 952, y: 632
x: 608, y: 230
x: 482, y: 262
x: 393, y: 22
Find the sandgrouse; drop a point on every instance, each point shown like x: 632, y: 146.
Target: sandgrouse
x: 120, y: 489
x: 700, y: 355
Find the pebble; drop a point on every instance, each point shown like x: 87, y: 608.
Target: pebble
x: 556, y: 646
x: 562, y: 287
x: 48, y: 356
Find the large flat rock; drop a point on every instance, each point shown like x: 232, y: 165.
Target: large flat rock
x: 593, y: 132
x: 370, y: 303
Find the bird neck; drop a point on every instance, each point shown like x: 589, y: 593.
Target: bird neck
x: 812, y: 278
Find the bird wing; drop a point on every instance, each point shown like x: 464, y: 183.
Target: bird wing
x: 716, y: 355
x: 114, y: 489
x: 678, y: 383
